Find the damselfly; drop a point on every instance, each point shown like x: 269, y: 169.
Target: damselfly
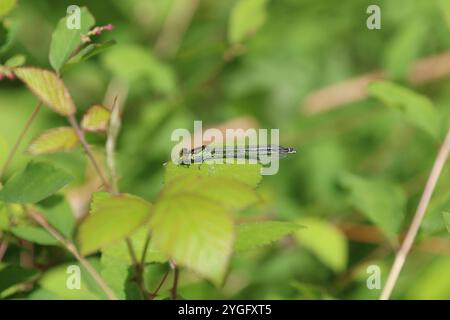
x: 214, y: 152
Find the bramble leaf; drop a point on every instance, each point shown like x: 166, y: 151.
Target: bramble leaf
x: 96, y: 119
x: 195, y: 232
x: 48, y: 88
x: 54, y: 140
x: 34, y: 234
x: 38, y: 181
x: 112, y: 219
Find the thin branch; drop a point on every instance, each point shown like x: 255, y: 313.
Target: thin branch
x: 145, y: 249
x: 417, y: 220
x: 354, y: 89
x: 3, y: 246
x: 111, y: 141
x: 24, y: 131
x: 72, y: 249
x: 73, y: 122
x: 158, y: 288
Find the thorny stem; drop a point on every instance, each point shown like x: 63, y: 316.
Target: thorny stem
x: 24, y: 131
x: 73, y: 122
x: 417, y: 220
x: 72, y: 249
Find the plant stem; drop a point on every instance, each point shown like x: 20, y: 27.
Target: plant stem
x: 155, y: 293
x: 72, y: 249
x: 417, y: 220
x: 3, y: 246
x: 73, y: 122
x: 24, y: 131
x: 145, y: 249
x: 176, y: 274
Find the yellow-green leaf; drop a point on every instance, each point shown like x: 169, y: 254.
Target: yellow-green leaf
x: 446, y: 216
x: 227, y: 192
x: 54, y: 140
x: 195, y: 232
x: 96, y: 119
x: 34, y: 234
x: 48, y: 88
x: 6, y: 6
x: 246, y: 18
x: 112, y: 219
x: 256, y: 234
x: 325, y: 241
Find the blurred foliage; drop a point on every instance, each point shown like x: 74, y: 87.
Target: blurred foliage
x: 354, y: 183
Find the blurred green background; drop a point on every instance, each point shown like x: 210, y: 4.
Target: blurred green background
x: 359, y: 170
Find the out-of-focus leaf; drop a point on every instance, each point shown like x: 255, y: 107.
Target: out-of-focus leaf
x: 227, y: 192
x: 65, y: 41
x: 54, y: 140
x: 6, y: 6
x: 55, y: 281
x: 247, y: 17
x: 195, y: 232
x: 96, y: 119
x: 132, y: 63
x: 446, y: 216
x: 325, y: 241
x: 110, y: 220
x: 247, y: 173
x: 59, y: 214
x: 404, y: 48
x: 16, y: 61
x: 48, y: 88
x: 38, y: 181
x: 256, y: 234
x: 382, y: 202
x: 444, y: 7
x: 11, y: 275
x: 416, y: 108
x: 34, y: 234
x: 433, y: 282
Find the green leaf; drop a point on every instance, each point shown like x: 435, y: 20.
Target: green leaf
x: 16, y: 61
x: 115, y: 272
x: 110, y: 220
x: 88, y: 52
x: 446, y: 216
x: 195, y: 232
x: 59, y: 214
x: 140, y: 64
x: 382, y: 202
x: 96, y: 119
x: 325, y: 241
x: 247, y: 17
x: 444, y: 7
x: 417, y: 109
x: 6, y: 6
x: 55, y: 280
x: 38, y: 181
x: 256, y: 234
x: 119, y: 251
x: 12, y: 275
x: 249, y: 174
x: 34, y: 234
x: 228, y: 192
x: 48, y: 88
x: 65, y: 41
x: 54, y: 140
x: 405, y: 48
